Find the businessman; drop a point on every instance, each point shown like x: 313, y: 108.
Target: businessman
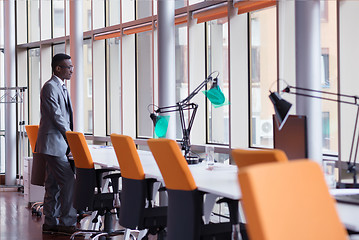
x: 56, y: 119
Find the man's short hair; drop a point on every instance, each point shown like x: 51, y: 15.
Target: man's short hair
x: 57, y: 59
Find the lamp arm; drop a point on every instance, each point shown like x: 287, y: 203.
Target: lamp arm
x: 356, y: 98
x: 324, y: 98
x: 175, y: 108
x: 195, y: 92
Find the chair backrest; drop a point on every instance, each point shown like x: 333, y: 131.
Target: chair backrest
x: 85, y: 172
x: 127, y: 156
x: 79, y: 149
x: 247, y: 157
x: 32, y: 131
x: 185, y: 202
x: 289, y: 201
x: 172, y: 164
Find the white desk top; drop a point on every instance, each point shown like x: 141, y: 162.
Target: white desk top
x: 221, y: 181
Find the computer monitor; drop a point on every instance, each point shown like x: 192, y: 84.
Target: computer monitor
x: 292, y: 138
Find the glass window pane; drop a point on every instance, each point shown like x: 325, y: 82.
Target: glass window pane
x: 21, y: 21
x: 114, y: 11
x: 195, y: 1
x: 67, y: 15
x: 46, y: 27
x: 263, y: 72
x: 58, y: 18
x: 34, y: 20
x: 217, y: 58
x: 144, y: 82
x: 329, y: 75
x: 180, y: 3
x: 88, y: 87
x: 86, y: 15
x: 98, y: 14
x: 34, y: 85
x: 181, y: 71
x: 58, y: 48
x: 143, y: 9
x: 2, y: 111
x: 114, y: 85
x: 128, y: 11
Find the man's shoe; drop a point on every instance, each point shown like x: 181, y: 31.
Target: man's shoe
x: 49, y: 228
x: 67, y: 230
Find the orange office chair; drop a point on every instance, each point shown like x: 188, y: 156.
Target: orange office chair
x: 38, y: 167
x: 87, y: 180
x: 136, y: 190
x: 243, y: 158
x: 247, y: 157
x: 38, y: 164
x: 32, y: 131
x: 289, y: 201
x: 185, y: 201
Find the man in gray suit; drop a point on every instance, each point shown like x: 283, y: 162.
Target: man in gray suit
x: 56, y: 119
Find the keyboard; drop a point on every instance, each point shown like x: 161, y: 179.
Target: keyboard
x: 349, y: 198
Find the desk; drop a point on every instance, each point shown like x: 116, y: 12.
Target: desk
x: 221, y: 181
x: 348, y: 213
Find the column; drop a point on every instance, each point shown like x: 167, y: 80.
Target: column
x: 76, y: 52
x: 166, y: 60
x: 308, y: 54
x: 10, y: 108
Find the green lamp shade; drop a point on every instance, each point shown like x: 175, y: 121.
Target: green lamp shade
x: 161, y: 126
x: 216, y: 96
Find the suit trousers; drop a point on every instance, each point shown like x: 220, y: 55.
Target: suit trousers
x: 59, y: 187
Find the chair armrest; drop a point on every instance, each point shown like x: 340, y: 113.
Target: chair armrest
x: 114, y: 181
x: 99, y: 172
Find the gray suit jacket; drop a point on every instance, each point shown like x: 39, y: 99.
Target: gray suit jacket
x: 56, y: 119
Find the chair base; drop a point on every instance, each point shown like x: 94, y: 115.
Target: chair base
x: 97, y: 234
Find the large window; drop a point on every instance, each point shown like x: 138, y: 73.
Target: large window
x: 34, y: 85
x: 329, y: 75
x: 120, y: 75
x: 144, y: 82
x: 217, y: 60
x: 114, y: 85
x: 87, y: 111
x: 181, y: 71
x: 263, y: 73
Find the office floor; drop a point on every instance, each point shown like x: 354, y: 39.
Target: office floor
x: 17, y: 222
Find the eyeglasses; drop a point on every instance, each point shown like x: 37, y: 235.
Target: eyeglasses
x: 68, y: 67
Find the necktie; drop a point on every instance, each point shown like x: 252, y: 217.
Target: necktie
x: 66, y: 93
x: 68, y: 105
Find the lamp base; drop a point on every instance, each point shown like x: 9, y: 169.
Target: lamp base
x: 192, y: 159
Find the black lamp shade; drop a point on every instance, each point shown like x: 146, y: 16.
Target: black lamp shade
x: 281, y: 108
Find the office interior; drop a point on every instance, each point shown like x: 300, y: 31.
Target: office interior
x: 118, y: 80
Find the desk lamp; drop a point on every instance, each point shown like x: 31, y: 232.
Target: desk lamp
x: 214, y: 94
x: 282, y: 108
